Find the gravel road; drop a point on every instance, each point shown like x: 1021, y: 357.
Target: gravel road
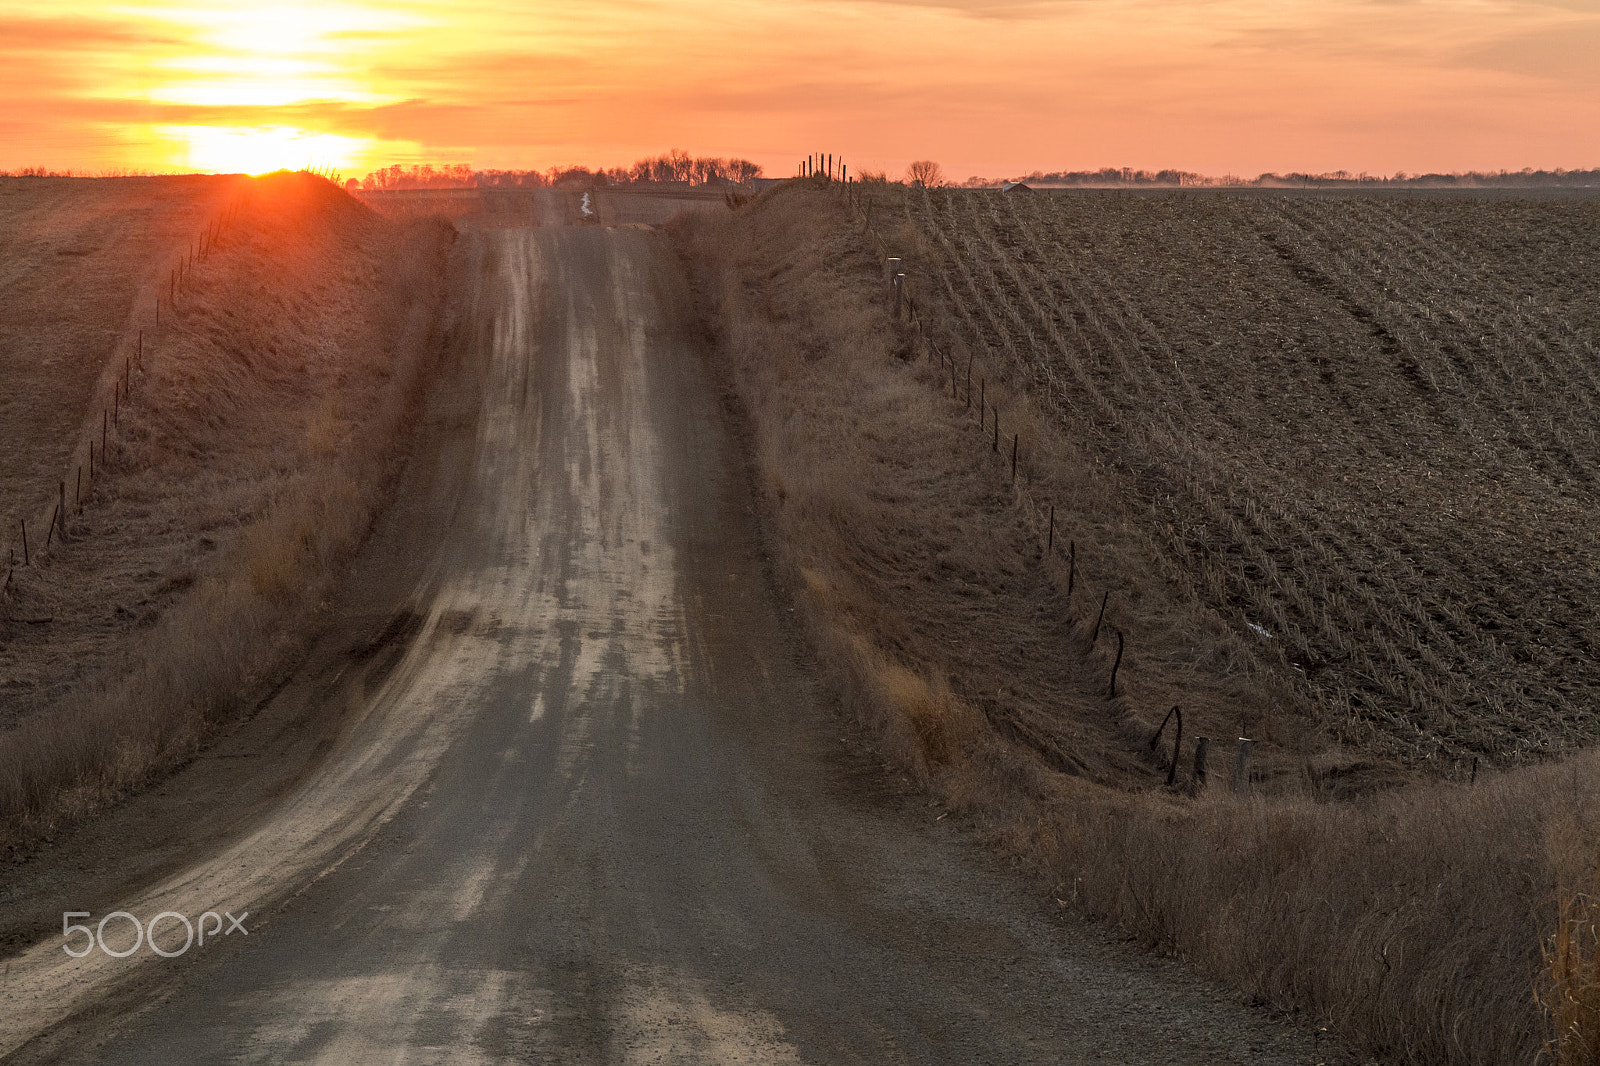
x: 596, y: 813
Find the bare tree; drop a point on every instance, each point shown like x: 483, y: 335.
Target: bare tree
x: 925, y: 174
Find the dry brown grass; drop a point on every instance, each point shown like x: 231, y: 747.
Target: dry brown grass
x: 261, y: 439
x: 78, y: 258
x: 1413, y: 921
x: 1569, y: 989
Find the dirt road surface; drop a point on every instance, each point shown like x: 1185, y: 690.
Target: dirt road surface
x: 594, y: 813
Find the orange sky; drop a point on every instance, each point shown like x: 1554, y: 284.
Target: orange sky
x: 988, y: 87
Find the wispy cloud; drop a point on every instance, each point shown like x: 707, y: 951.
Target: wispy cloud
x: 65, y: 35
x: 1569, y: 52
x: 987, y: 9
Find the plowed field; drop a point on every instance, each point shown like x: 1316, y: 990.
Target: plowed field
x: 1361, y: 428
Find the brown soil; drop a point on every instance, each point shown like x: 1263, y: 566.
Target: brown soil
x: 1359, y: 428
x: 644, y: 206
x: 489, y: 208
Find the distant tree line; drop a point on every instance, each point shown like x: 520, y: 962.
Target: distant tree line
x: 925, y: 173
x: 675, y: 166
x: 1528, y: 178
x: 46, y: 172
x: 678, y: 165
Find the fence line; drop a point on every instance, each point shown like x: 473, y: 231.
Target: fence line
x: 204, y: 244
x: 904, y: 308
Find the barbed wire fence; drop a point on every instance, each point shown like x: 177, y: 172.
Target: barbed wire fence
x: 905, y: 312
x: 91, y: 459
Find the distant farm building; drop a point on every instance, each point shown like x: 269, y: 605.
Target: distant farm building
x: 1014, y: 186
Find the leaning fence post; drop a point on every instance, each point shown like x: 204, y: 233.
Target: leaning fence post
x: 1177, y: 742
x: 61, y: 506
x: 1050, y: 541
x: 1201, y: 746
x: 1072, y: 568
x: 24, y: 522
x: 1111, y: 693
x: 996, y: 445
x: 1241, y: 766
x: 1095, y: 636
x: 55, y: 520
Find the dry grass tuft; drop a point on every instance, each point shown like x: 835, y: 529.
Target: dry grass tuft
x: 1572, y: 970
x: 936, y: 724
x: 1569, y: 989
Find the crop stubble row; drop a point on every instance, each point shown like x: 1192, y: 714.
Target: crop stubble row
x: 1363, y: 424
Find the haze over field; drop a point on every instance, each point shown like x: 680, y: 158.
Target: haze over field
x: 989, y: 87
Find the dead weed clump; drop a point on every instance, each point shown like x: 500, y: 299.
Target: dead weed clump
x: 259, y: 445
x: 1569, y: 986
x: 1411, y: 920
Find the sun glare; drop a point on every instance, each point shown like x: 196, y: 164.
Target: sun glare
x: 247, y: 150
x: 232, y: 65
x: 266, y: 56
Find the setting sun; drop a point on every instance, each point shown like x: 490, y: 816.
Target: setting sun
x: 241, y: 150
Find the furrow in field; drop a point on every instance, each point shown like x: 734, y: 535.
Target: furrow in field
x: 1302, y: 346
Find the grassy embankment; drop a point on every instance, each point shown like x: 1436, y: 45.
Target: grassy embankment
x: 1413, y: 921
x: 258, y: 444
